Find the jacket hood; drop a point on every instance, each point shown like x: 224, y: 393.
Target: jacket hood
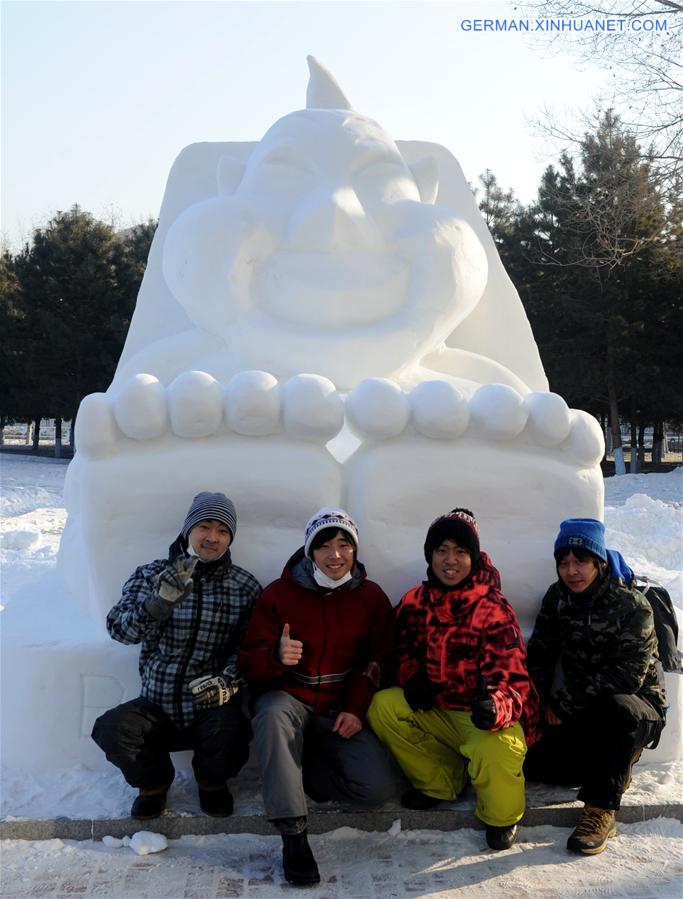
x: 299, y: 569
x: 619, y: 567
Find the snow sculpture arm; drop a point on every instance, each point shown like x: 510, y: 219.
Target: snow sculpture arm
x: 129, y: 621
x: 365, y: 679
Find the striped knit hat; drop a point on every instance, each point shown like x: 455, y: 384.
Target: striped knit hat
x: 211, y: 506
x: 329, y: 518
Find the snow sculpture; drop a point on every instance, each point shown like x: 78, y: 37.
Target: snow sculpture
x: 324, y: 281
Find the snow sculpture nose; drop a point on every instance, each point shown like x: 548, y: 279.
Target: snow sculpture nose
x: 332, y: 219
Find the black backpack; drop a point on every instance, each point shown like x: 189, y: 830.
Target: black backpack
x: 666, y: 624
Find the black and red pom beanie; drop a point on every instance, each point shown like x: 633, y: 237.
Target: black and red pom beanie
x: 459, y: 525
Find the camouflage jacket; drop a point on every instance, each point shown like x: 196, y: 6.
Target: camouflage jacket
x: 583, y: 647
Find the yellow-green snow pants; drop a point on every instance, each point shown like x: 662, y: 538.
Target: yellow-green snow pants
x: 437, y: 749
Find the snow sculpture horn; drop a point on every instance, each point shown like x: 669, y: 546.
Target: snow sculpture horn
x: 323, y: 91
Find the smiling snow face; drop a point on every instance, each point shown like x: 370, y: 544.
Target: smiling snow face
x: 325, y: 253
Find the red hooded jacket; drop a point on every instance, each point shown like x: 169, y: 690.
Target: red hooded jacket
x: 461, y: 635
x: 347, y: 635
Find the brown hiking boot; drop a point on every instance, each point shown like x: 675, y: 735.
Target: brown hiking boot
x: 595, y: 827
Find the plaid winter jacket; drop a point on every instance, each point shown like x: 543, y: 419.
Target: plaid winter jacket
x: 346, y: 633
x: 587, y: 646
x: 461, y: 634
x: 201, y: 636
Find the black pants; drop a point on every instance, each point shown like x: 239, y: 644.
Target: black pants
x: 594, y: 749
x: 138, y: 736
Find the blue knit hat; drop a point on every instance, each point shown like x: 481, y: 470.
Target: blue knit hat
x: 582, y: 533
x: 211, y: 507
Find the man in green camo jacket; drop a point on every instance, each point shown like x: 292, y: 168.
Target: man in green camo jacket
x: 593, y: 659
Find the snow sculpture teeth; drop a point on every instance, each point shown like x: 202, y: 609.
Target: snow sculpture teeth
x: 585, y: 441
x: 498, y: 411
x: 95, y: 429
x: 140, y: 408
x: 378, y: 408
x: 252, y: 404
x: 195, y: 404
x: 549, y: 419
x: 309, y: 408
x: 439, y: 410
x: 312, y: 408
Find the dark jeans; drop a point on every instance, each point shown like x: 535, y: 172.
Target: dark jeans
x: 138, y: 736
x: 594, y: 749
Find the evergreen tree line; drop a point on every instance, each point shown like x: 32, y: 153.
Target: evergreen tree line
x: 66, y: 300
x: 597, y: 259
x: 598, y: 263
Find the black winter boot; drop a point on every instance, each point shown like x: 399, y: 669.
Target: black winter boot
x: 500, y: 838
x: 297, y: 860
x: 416, y: 799
x: 148, y: 805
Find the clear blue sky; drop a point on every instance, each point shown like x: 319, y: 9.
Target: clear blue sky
x: 98, y: 98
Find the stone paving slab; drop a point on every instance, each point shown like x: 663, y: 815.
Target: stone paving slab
x: 321, y: 820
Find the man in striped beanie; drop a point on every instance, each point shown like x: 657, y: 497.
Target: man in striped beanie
x: 190, y: 612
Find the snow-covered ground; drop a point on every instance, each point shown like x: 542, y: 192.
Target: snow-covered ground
x: 644, y: 517
x: 645, y: 861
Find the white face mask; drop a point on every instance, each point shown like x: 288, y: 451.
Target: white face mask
x: 322, y: 580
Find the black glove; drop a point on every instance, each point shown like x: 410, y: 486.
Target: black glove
x: 483, y: 706
x: 173, y: 585
x: 420, y: 692
x: 210, y: 692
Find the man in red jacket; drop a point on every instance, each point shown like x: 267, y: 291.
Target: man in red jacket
x: 465, y: 699
x: 314, y: 656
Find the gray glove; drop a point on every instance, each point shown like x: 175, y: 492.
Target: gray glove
x: 173, y: 585
x: 210, y: 692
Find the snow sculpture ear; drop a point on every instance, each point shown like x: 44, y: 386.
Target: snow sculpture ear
x: 426, y: 174
x: 229, y: 174
x: 323, y: 92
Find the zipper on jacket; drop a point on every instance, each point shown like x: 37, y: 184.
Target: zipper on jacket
x: 180, y: 678
x: 324, y: 647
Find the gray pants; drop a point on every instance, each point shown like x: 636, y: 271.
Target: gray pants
x: 296, y: 748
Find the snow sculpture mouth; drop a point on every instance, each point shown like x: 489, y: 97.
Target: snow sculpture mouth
x: 325, y: 289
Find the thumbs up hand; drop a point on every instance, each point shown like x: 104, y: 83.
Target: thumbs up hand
x: 483, y: 706
x: 290, y: 651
